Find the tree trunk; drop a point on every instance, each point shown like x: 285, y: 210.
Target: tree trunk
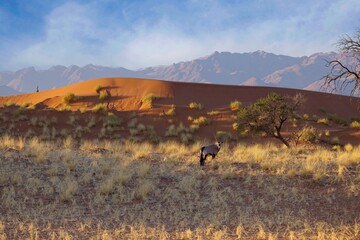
x: 280, y: 137
x: 283, y: 141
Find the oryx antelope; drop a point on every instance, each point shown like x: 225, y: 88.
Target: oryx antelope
x: 211, y: 150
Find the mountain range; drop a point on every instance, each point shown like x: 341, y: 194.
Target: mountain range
x: 255, y: 69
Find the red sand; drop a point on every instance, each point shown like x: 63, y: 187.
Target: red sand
x: 126, y: 95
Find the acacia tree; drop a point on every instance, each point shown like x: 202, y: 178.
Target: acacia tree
x: 344, y: 73
x: 268, y: 115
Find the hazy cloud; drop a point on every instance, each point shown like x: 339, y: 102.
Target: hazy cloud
x: 139, y: 34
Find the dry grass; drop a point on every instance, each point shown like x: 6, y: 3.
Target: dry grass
x: 195, y: 105
x: 125, y: 190
x: 355, y: 124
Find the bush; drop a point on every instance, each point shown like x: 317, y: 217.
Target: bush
x: 235, y: 105
x: 148, y: 100
x: 223, y: 136
x: 212, y: 113
x: 100, y: 107
x: 132, y: 123
x: 308, y: 134
x: 9, y: 104
x: 98, y: 89
x: 193, y: 128
x: 171, y: 131
x: 151, y: 135
x: 201, y: 121
x: 337, y: 119
x: 169, y: 112
x: 348, y: 147
x: 69, y: 98
x: 112, y: 120
x: 327, y: 133
x: 28, y: 105
x: 355, y: 124
x: 19, y: 111
x: 186, y: 138
x: 235, y: 126
x: 335, y: 140
x: 194, y: 105
x: 323, y: 121
x: 103, y: 95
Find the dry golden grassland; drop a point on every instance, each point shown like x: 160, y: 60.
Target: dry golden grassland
x: 113, y: 190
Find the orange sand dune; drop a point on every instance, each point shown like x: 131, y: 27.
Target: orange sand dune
x: 126, y: 94
x: 128, y: 91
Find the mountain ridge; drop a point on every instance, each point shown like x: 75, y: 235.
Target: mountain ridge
x: 258, y: 68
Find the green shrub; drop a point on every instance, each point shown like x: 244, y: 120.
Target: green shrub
x: 98, y: 89
x: 141, y: 127
x: 112, y: 120
x: 186, y: 138
x: 19, y: 111
x: 132, y: 123
x: 103, y: 95
x: 223, y: 136
x: 194, y: 105
x: 148, y: 100
x: 70, y: 98
x: 235, y: 105
x: 335, y: 140
x: 337, y: 119
x: 193, y: 128
x: 72, y: 120
x: 100, y: 107
x: 151, y: 135
x: 171, y: 131
x: 92, y: 122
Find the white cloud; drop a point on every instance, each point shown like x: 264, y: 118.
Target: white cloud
x: 74, y: 35
x: 69, y: 29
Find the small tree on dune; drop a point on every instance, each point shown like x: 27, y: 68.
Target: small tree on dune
x: 268, y: 115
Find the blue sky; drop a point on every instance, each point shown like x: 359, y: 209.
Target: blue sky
x: 141, y: 33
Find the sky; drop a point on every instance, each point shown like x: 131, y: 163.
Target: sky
x: 142, y: 33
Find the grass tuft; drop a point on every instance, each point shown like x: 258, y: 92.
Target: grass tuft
x: 195, y: 105
x: 70, y: 98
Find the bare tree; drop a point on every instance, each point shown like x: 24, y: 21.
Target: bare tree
x: 344, y: 73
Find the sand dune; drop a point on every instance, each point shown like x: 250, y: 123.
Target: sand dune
x: 126, y: 95
x: 128, y: 92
